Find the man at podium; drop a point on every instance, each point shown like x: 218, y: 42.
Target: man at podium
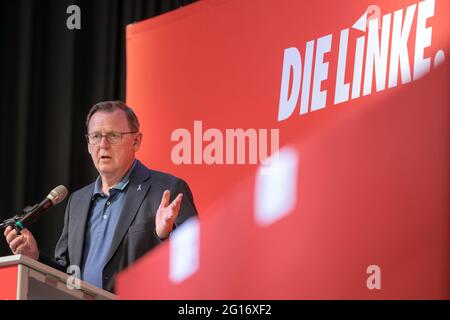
x: 127, y: 211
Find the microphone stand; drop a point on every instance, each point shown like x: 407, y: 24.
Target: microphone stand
x: 11, y: 222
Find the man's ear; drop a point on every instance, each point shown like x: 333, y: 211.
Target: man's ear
x: 137, y: 142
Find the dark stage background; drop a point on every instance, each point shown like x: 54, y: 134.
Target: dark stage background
x: 50, y: 77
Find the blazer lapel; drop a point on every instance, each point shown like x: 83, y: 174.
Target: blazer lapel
x: 78, y: 232
x: 137, y: 189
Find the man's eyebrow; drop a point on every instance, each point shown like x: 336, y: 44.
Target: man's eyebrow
x: 105, y: 132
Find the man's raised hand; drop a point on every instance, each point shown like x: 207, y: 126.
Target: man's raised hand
x: 167, y: 214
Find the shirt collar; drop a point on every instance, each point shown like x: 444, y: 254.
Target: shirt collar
x: 120, y: 186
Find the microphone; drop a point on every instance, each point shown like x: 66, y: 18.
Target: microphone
x: 31, y: 214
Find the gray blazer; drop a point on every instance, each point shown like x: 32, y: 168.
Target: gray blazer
x: 135, y: 232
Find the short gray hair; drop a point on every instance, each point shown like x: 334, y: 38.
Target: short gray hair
x: 111, y: 106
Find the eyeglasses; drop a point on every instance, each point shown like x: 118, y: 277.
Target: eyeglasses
x: 112, y: 137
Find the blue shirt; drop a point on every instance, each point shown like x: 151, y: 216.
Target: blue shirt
x: 104, y: 215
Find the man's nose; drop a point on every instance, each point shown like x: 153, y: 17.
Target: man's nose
x: 104, y: 143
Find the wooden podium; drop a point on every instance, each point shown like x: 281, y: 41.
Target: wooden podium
x: 22, y: 278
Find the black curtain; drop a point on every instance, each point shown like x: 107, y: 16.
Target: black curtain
x: 49, y: 78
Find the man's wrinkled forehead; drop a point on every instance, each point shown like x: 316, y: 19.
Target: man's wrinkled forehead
x: 111, y: 121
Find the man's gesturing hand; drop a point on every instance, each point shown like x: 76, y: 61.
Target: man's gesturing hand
x: 167, y: 214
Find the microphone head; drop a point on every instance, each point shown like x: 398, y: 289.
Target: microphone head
x: 58, y: 194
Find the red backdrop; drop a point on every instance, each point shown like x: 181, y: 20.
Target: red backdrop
x: 369, y: 183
